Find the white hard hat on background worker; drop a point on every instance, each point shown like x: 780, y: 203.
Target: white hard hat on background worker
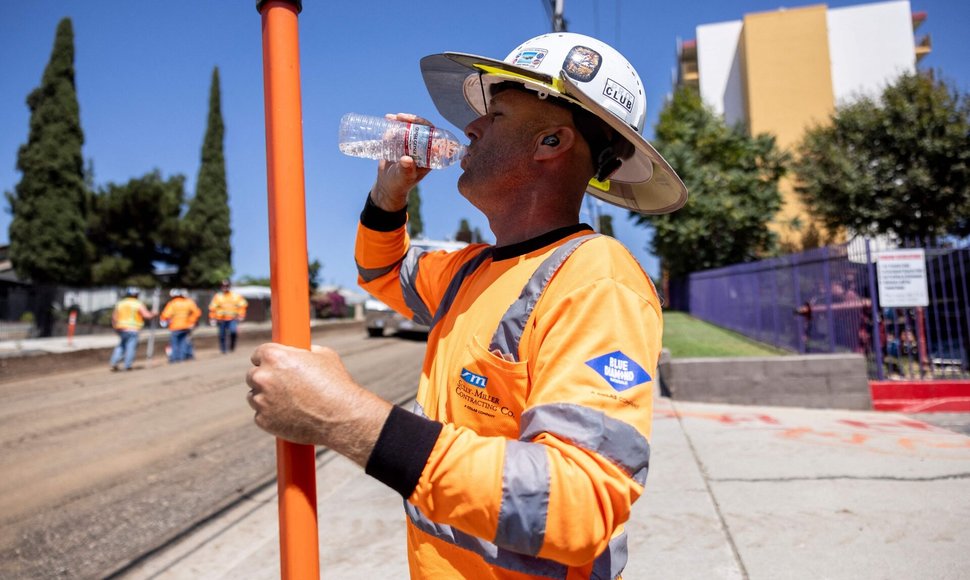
x: 586, y: 73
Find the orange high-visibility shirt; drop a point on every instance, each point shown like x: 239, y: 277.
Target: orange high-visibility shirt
x: 181, y: 313
x: 227, y: 306
x: 533, y: 414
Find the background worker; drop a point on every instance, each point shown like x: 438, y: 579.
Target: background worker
x: 530, y: 437
x: 227, y: 309
x: 180, y: 315
x: 127, y: 319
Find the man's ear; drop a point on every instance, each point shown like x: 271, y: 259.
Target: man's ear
x: 554, y: 142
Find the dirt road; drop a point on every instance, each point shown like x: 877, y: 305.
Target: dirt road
x: 98, y: 468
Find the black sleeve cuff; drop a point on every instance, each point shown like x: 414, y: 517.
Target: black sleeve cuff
x: 380, y: 220
x: 402, y: 450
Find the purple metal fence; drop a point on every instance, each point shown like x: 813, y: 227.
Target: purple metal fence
x: 826, y: 300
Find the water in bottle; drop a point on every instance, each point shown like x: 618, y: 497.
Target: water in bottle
x: 380, y: 138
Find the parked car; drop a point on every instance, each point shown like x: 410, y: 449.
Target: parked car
x: 383, y: 320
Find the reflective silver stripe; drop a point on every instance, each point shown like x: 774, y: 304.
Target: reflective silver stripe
x: 610, y: 563
x: 509, y: 332
x: 525, y: 497
x: 371, y: 274
x: 418, y: 410
x: 409, y: 278
x: 525, y: 474
x: 615, y: 440
x: 465, y: 271
x: 488, y: 551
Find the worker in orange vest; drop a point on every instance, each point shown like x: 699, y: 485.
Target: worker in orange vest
x: 529, y: 440
x: 128, y: 318
x: 180, y: 315
x: 227, y: 309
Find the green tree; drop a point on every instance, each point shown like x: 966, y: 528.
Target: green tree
x: 207, y: 248
x: 415, y: 224
x: 254, y: 281
x: 733, y: 183
x: 134, y: 226
x: 48, y: 237
x: 313, y: 271
x: 477, y: 236
x: 898, y: 165
x: 811, y: 238
x: 464, y: 233
x: 606, y: 224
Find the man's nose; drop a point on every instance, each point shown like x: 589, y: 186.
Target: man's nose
x: 473, y: 130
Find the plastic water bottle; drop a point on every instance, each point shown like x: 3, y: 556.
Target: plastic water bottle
x: 380, y: 138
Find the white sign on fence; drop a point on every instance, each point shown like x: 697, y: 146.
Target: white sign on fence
x: 901, y: 276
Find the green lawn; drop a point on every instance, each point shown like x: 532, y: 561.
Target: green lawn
x: 688, y: 337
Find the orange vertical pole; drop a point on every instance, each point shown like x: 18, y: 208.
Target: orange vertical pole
x: 295, y: 464
x: 71, y: 325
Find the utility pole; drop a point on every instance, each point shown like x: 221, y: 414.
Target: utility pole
x: 558, y: 22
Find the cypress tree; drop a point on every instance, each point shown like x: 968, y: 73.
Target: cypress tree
x: 415, y: 223
x: 48, y: 242
x: 206, y: 230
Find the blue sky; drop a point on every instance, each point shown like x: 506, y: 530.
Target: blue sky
x: 143, y: 71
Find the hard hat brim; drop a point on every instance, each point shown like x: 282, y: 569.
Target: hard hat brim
x: 645, y: 183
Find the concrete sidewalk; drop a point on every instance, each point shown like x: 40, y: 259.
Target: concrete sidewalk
x: 61, y: 344
x: 27, y: 347
x: 733, y: 492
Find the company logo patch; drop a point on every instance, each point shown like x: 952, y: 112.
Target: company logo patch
x: 472, y: 379
x: 618, y: 93
x: 618, y: 370
x: 530, y: 57
x: 582, y: 63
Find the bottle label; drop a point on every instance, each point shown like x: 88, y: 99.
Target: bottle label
x: 417, y: 143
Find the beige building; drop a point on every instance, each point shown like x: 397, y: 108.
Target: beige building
x: 781, y: 72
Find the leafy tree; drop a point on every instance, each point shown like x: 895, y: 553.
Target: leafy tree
x: 415, y: 224
x: 313, y: 270
x: 134, y: 226
x: 48, y: 238
x: 254, y: 281
x: 206, y: 230
x: 464, y: 233
x: 468, y: 235
x: 606, y: 224
x: 733, y: 183
x: 895, y: 165
x: 811, y: 238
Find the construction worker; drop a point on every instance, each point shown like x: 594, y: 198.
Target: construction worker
x: 227, y: 309
x: 180, y: 316
x: 128, y: 318
x: 530, y: 438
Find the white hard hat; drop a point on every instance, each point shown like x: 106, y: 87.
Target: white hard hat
x: 176, y: 292
x: 589, y: 74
